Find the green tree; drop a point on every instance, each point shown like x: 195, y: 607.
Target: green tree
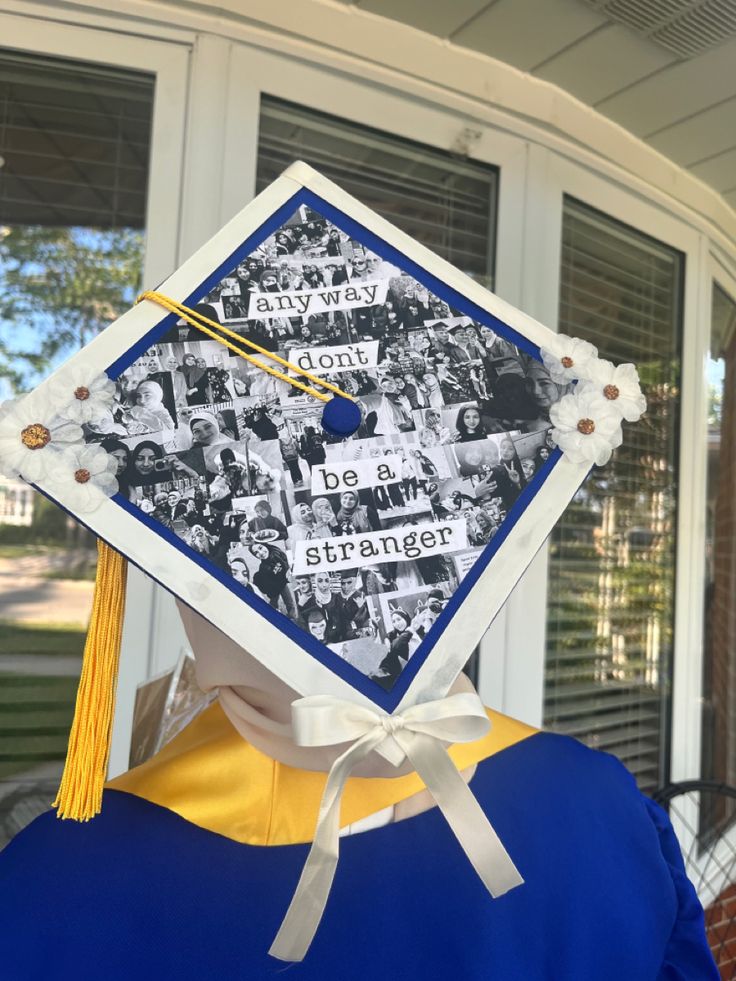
x: 58, y: 288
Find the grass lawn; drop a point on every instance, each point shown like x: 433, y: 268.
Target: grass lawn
x: 36, y: 710
x: 41, y: 638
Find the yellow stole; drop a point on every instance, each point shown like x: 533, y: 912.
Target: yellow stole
x: 209, y: 775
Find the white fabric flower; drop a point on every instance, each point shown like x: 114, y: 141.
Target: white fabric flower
x: 79, y: 395
x: 567, y: 358
x: 81, y: 477
x: 587, y: 427
x: 30, y: 436
x: 619, y: 385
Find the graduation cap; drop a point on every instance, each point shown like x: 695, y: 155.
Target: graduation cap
x: 314, y: 392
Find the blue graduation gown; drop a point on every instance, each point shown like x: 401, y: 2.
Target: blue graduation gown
x: 140, y: 893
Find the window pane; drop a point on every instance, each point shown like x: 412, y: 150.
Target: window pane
x: 719, y: 638
x: 612, y: 557
x: 72, y: 211
x: 443, y: 201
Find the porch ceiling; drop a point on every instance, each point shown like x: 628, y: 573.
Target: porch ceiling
x: 663, y: 69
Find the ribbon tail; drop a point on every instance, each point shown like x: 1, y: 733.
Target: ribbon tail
x: 462, y: 812
x: 308, y: 903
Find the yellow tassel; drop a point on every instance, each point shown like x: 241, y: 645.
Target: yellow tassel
x: 88, y: 753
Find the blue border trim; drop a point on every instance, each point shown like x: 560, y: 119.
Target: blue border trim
x: 333, y: 662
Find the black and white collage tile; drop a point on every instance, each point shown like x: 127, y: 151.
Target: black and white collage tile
x: 362, y: 541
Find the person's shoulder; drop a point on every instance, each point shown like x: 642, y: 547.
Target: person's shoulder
x: 567, y: 762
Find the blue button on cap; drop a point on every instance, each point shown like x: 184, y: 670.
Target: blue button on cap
x: 340, y: 417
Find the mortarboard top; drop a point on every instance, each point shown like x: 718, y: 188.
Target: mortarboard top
x: 222, y: 483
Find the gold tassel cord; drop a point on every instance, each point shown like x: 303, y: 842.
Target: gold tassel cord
x: 88, y: 753
x: 214, y: 330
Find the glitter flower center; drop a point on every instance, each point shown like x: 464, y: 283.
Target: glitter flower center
x: 35, y: 436
x: 586, y: 427
x: 81, y: 393
x: 567, y: 361
x: 82, y: 476
x: 611, y: 392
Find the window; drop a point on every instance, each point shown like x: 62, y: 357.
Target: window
x: 443, y: 201
x: 73, y: 185
x: 719, y: 635
x: 612, y: 557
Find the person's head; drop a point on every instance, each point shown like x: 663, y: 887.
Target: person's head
x: 527, y: 468
x: 303, y: 585
x: 262, y: 509
x: 543, y: 453
x: 468, y: 420
x: 473, y: 458
x: 149, y: 394
x: 317, y: 623
x: 432, y: 419
x: 239, y: 571
x: 189, y: 361
x: 257, y: 549
x: 441, y: 333
x: 322, y: 582
x: 400, y: 620
x: 483, y: 521
x: 303, y: 513
x: 226, y: 459
x: 171, y: 364
x: 334, y: 234
x: 506, y: 449
x: 173, y: 498
x: 541, y: 388
x: 269, y: 280
x: 348, y: 500
x: 145, y: 456
x: 119, y: 452
x: 388, y: 384
x: 359, y: 264
x: 201, y: 363
x: 348, y: 581
x: 322, y: 510
x: 159, y: 499
x: 146, y: 505
x: 204, y: 429
x: 243, y: 272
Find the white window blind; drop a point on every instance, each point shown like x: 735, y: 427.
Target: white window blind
x: 612, y: 557
x: 444, y: 201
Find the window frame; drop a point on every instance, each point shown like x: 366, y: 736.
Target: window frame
x: 554, y: 177
x: 168, y: 64
x: 208, y: 91
x: 710, y: 867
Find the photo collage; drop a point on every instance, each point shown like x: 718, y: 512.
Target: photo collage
x: 361, y: 542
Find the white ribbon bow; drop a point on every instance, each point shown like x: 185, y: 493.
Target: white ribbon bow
x: 417, y: 734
